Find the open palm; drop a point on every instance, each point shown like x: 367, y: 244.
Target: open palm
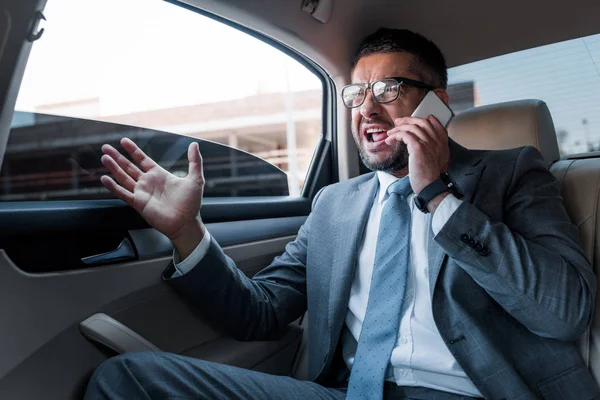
x: 164, y: 200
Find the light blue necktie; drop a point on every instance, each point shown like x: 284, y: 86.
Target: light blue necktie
x: 380, y: 327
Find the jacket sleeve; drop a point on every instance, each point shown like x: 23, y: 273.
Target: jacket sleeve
x: 249, y: 308
x: 532, y: 262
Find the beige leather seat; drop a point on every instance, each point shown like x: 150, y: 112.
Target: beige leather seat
x: 505, y: 126
x: 528, y: 122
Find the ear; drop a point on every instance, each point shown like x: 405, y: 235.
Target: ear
x: 442, y: 94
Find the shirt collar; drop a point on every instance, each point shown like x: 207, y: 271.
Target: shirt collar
x: 385, y: 180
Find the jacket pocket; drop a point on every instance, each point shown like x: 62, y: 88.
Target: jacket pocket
x: 574, y: 383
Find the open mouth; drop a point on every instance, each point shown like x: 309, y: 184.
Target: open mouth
x: 375, y: 134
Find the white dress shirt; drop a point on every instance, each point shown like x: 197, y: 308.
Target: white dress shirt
x: 183, y: 267
x: 420, y: 357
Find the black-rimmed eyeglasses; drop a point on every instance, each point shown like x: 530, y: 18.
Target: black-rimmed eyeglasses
x: 384, y: 90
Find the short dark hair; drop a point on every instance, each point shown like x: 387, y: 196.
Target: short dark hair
x: 429, y: 63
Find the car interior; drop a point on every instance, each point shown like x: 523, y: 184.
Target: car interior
x: 61, y: 319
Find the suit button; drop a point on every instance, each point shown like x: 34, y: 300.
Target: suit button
x: 473, y: 242
x: 465, y: 238
x: 479, y: 246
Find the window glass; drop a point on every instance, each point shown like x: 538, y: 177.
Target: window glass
x: 160, y: 74
x: 566, y: 75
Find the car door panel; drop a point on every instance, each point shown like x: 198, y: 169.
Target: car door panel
x: 44, y: 342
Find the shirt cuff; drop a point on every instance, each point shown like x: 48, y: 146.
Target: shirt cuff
x: 443, y: 212
x: 185, y: 266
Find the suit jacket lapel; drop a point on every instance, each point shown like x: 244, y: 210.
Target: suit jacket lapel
x: 352, y: 215
x: 465, y: 170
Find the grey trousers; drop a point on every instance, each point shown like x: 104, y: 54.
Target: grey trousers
x: 159, y: 375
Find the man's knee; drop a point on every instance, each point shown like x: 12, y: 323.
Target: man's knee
x: 122, y: 374
x: 128, y: 363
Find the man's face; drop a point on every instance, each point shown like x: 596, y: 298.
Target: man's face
x: 371, y: 121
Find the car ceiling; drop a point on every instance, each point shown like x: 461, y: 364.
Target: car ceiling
x: 465, y: 30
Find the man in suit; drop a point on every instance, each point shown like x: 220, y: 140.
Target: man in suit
x: 479, y: 288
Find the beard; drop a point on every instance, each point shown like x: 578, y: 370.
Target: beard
x: 395, y: 161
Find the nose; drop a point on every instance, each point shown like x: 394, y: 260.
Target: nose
x: 370, y: 107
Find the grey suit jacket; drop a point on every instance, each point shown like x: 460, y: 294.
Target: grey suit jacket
x: 511, y: 287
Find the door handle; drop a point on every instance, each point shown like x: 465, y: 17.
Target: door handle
x: 124, y: 252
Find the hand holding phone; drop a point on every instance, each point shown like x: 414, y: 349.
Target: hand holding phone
x: 426, y: 140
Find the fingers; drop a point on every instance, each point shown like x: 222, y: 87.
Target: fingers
x: 117, y: 190
x: 437, y: 125
x: 120, y: 175
x: 410, y: 139
x: 442, y: 133
x: 416, y: 130
x: 195, y: 171
x: 427, y: 130
x: 122, y: 162
x: 140, y: 158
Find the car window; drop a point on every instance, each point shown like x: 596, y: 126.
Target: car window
x: 566, y: 75
x: 163, y: 76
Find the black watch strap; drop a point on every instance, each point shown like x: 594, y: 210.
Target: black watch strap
x: 431, y: 191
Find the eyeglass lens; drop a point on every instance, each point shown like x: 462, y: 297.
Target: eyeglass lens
x: 384, y: 91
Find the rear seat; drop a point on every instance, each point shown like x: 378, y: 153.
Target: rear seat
x: 579, y: 183
x: 528, y: 122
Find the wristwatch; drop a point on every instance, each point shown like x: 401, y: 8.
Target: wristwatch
x: 444, y: 184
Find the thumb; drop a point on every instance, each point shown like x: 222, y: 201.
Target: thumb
x: 195, y: 170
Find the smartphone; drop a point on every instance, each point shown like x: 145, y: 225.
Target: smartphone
x: 432, y: 105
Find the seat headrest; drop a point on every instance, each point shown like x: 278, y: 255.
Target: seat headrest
x: 505, y: 126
